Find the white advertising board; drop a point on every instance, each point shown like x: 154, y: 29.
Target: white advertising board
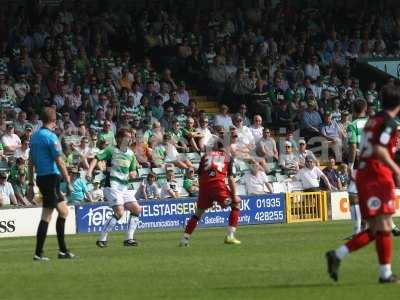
x: 341, y: 207
x: 24, y: 222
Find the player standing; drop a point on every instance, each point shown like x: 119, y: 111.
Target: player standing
x: 354, y: 133
x: 123, y: 166
x: 376, y: 187
x: 45, y: 159
x: 214, y: 167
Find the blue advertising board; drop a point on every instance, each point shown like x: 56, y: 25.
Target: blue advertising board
x: 174, y: 213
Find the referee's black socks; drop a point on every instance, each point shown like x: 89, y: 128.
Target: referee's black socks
x: 60, y: 228
x: 41, y: 237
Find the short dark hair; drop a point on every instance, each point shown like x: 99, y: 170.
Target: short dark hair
x: 122, y: 132
x: 49, y: 115
x: 390, y: 96
x: 359, y: 105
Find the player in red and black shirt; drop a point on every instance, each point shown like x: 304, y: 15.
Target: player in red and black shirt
x: 214, y: 168
x: 376, y: 176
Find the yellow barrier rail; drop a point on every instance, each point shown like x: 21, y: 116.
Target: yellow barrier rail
x: 305, y: 207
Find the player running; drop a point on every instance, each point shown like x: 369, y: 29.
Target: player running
x: 354, y: 133
x: 123, y: 165
x: 214, y: 167
x: 376, y: 188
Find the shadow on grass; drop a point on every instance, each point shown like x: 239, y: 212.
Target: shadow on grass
x: 289, y: 286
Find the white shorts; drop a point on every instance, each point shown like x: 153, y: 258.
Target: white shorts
x: 116, y: 197
x: 352, y: 189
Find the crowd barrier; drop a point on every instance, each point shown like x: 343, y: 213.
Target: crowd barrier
x: 305, y: 207
x: 174, y: 213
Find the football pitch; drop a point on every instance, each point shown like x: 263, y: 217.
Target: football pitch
x: 274, y: 262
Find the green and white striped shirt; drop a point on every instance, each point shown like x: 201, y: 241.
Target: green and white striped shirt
x: 122, y: 163
x: 355, y: 130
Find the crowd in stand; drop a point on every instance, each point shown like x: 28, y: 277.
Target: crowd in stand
x: 269, y: 68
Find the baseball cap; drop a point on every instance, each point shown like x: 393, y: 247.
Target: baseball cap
x: 289, y: 144
x: 28, y: 126
x: 302, y: 141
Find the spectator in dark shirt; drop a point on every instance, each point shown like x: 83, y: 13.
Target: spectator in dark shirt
x: 173, y: 101
x: 32, y: 102
x: 333, y: 175
x: 283, y: 116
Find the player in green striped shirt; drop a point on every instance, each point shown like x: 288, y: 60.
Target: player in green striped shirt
x: 354, y: 133
x: 123, y: 167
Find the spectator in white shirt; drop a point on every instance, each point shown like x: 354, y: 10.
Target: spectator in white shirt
x: 312, y: 69
x: 311, y: 175
x: 164, y: 91
x: 266, y: 147
x: 10, y: 140
x: 171, y: 188
x: 256, y: 181
x: 288, y: 160
x: 183, y: 95
x: 303, y: 152
x: 206, y: 134
x: 96, y: 193
x: 223, y: 118
x: 257, y: 128
x: 244, y: 133
x: 23, y: 151
x: 7, y: 195
x: 136, y: 94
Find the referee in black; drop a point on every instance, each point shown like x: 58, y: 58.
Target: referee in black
x: 45, y: 159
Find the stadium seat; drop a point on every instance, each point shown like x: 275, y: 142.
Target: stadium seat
x: 241, y: 166
x: 161, y: 180
x: 194, y: 157
x: 241, y: 189
x: 159, y: 171
x: 279, y: 187
x: 143, y: 172
x: 272, y: 166
x: 281, y: 177
x: 184, y: 193
x: 134, y: 185
x: 294, y: 186
x: 4, y: 167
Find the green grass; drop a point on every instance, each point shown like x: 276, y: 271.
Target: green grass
x: 274, y: 262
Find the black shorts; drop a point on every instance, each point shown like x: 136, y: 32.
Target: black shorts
x: 49, y: 187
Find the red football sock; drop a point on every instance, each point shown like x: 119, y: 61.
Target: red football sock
x: 191, y: 224
x: 360, y: 240
x: 384, y: 247
x: 234, y: 217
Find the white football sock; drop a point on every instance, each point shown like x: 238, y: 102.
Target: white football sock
x: 385, y: 271
x: 231, y: 231
x: 342, y: 251
x: 132, y: 225
x: 110, y: 224
x: 186, y: 235
x: 356, y: 218
x: 393, y: 225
